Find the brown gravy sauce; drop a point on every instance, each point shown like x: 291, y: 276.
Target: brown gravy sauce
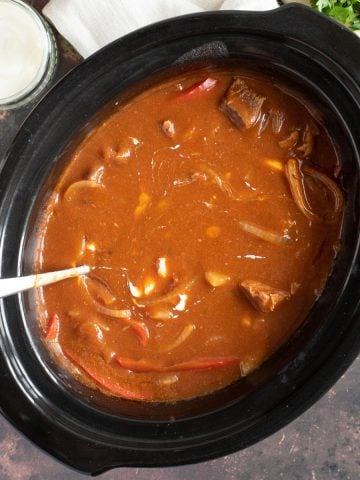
x: 209, y: 202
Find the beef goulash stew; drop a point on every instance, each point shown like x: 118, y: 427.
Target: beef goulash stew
x: 210, y: 209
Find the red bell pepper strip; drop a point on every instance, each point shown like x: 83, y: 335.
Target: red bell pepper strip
x: 53, y: 328
x: 198, y: 88
x: 103, y: 380
x: 140, y: 329
x: 141, y: 366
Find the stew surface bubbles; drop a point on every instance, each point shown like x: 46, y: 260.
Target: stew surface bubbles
x: 209, y: 206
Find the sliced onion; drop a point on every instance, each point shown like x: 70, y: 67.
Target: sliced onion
x: 251, y: 363
x: 184, y: 335
x: 188, y: 180
x: 216, y: 279
x: 228, y: 189
x: 98, y: 288
x: 134, y: 290
x: 332, y: 187
x: 97, y: 174
x: 83, y: 246
x: 139, y: 328
x: 181, y: 305
x: 296, y: 181
x: 110, y: 312
x: 167, y: 380
x: 265, y: 235
x: 161, y: 267
x: 149, y: 286
x: 161, y: 313
x: 170, y: 297
x: 76, y: 187
x: 224, y: 186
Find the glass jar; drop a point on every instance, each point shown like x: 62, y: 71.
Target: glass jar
x: 28, y: 54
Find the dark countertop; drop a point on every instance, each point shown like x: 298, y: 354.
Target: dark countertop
x: 323, y: 444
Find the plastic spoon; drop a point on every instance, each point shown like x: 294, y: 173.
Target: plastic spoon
x: 9, y: 286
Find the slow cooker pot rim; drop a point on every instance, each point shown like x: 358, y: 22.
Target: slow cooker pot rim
x: 29, y: 126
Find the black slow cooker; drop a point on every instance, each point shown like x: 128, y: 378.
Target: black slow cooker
x: 93, y: 432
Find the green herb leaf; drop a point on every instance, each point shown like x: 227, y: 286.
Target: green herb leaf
x: 346, y: 12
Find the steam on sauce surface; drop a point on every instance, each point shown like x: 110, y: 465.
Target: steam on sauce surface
x: 210, y: 205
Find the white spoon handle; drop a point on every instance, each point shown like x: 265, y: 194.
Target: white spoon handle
x: 9, y: 286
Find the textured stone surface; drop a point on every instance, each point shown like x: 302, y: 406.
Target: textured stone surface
x: 323, y: 444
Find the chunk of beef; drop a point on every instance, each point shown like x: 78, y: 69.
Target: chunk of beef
x: 241, y: 104
x: 263, y: 297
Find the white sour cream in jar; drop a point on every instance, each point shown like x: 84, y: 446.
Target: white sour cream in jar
x: 22, y: 49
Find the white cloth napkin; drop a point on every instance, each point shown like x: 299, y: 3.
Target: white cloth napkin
x: 91, y: 24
